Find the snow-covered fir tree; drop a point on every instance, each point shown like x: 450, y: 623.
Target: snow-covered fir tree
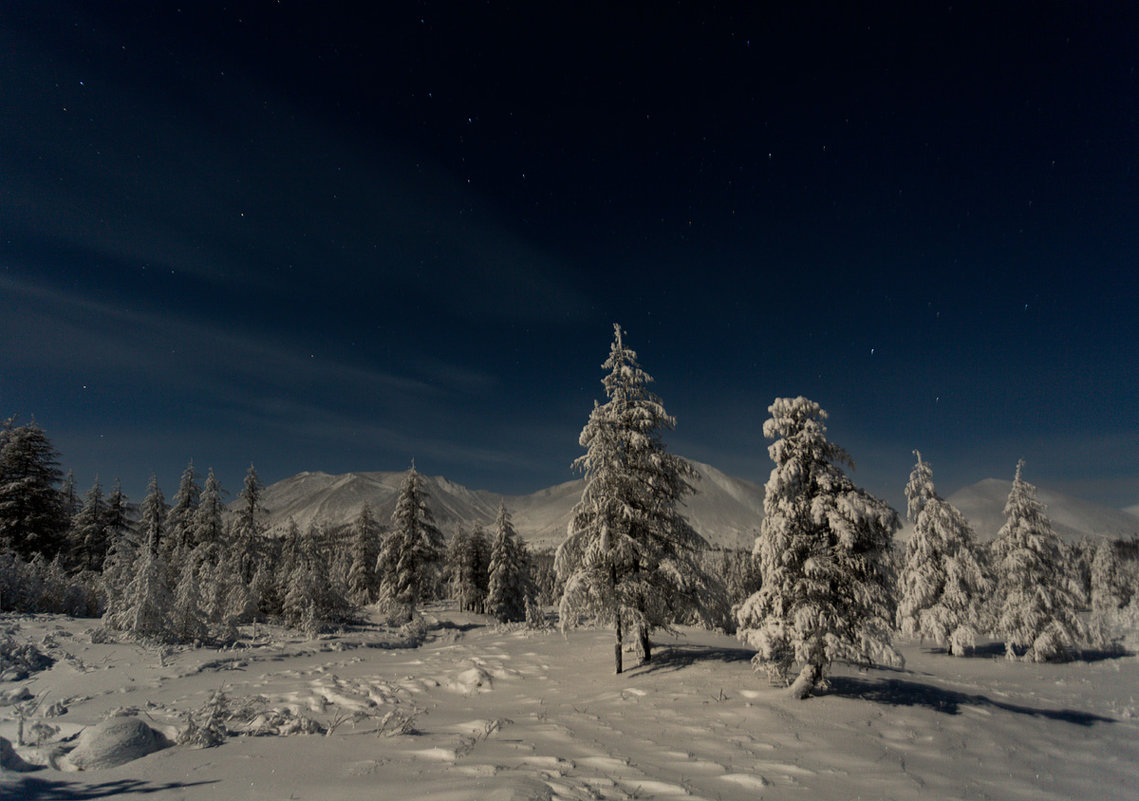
x: 312, y: 602
x: 1109, y: 590
x: 362, y: 584
x: 510, y: 589
x: 119, y: 513
x: 69, y: 495
x: 408, y: 564
x: 89, y: 530
x: 152, y: 517
x: 823, y: 551
x: 180, y: 518
x: 630, y: 558
x: 468, y: 566
x: 1039, y: 606
x: 145, y: 607
x: 1109, y: 594
x: 187, y: 618
x: 248, y: 527
x: 943, y: 584
x: 32, y: 516
x: 207, y: 532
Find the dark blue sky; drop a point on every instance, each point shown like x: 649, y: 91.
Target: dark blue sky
x: 318, y: 238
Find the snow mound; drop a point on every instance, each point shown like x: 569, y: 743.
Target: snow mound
x: 114, y: 742
x: 470, y: 681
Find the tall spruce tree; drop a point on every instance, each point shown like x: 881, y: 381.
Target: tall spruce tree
x: 33, y: 519
x: 152, y: 517
x: 1038, y: 602
x: 630, y: 559
x: 362, y: 585
x: 823, y: 551
x: 180, y: 518
x: 943, y: 583
x: 407, y: 566
x: 468, y: 563
x: 248, y: 526
x: 207, y: 532
x: 89, y: 529
x: 510, y: 587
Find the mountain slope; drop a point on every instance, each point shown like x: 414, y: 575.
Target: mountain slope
x: 1072, y: 518
x: 725, y: 510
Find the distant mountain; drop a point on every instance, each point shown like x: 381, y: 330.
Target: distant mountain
x: 1132, y: 510
x: 725, y: 510
x: 983, y: 505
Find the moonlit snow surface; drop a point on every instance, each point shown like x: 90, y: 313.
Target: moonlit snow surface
x: 484, y: 712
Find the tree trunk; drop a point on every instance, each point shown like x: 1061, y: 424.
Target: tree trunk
x: 644, y: 645
x: 808, y: 678
x: 617, y: 646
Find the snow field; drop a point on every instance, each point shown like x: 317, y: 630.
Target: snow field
x: 508, y: 714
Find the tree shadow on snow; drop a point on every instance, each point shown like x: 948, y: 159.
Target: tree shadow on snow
x: 900, y: 692
x: 667, y: 658
x: 35, y: 789
x: 996, y: 650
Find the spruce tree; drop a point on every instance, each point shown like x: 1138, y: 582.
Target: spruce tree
x: 409, y: 556
x: 1039, y: 606
x: 69, y: 495
x: 630, y: 559
x: 510, y: 587
x: 943, y: 583
x: 362, y: 585
x: 89, y: 530
x: 207, y: 532
x: 152, y: 517
x: 468, y: 563
x: 180, y: 518
x: 823, y: 551
x: 248, y: 526
x: 32, y: 516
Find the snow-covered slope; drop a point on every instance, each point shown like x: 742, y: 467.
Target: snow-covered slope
x: 725, y: 510
x: 1072, y: 518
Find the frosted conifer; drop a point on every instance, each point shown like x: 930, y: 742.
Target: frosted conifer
x: 468, y: 565
x: 630, y: 558
x: 180, y: 518
x: 409, y: 555
x: 207, y: 529
x: 823, y: 552
x: 510, y: 588
x: 362, y: 585
x: 148, y: 601
x: 187, y: 620
x: 32, y: 516
x: 1109, y: 585
x: 942, y: 584
x: 89, y: 529
x: 1038, y: 606
x: 248, y: 526
x: 152, y: 517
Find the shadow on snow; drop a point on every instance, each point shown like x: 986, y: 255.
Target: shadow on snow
x: 996, y: 650
x: 900, y: 692
x: 29, y: 788
x: 668, y: 658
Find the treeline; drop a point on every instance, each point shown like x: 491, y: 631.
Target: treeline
x: 192, y: 570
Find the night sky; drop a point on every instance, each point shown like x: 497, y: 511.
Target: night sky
x: 319, y: 238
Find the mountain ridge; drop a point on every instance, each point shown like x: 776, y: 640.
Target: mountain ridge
x: 725, y: 510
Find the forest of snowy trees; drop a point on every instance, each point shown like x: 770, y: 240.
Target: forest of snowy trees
x: 825, y: 581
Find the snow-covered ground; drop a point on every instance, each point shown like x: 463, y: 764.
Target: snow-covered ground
x: 482, y: 712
